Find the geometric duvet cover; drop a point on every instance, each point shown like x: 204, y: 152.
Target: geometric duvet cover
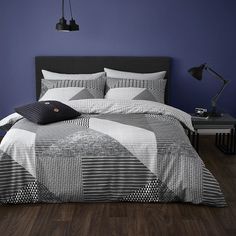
x: 131, y: 151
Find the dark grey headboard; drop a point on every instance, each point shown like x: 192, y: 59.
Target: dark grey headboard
x: 88, y: 64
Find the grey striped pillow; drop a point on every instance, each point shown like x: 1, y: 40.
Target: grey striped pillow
x: 94, y: 88
x: 136, y: 89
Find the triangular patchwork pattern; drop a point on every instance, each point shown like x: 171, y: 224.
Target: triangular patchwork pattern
x: 84, y: 94
x: 155, y: 191
x: 15, y: 175
x: 108, y: 177
x: 136, y: 120
x: 32, y: 193
x: 145, y: 95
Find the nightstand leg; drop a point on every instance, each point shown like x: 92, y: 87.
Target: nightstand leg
x: 228, y: 141
x: 226, y: 144
x: 234, y: 138
x: 216, y: 139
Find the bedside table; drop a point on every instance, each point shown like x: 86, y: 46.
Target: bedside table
x: 223, y: 127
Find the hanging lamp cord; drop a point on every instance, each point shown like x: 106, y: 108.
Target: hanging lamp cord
x: 70, y: 10
x: 62, y: 8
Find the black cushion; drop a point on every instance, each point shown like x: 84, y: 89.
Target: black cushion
x: 46, y: 112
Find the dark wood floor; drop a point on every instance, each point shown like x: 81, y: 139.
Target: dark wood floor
x: 129, y: 218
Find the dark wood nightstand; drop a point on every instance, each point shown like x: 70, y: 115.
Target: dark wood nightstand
x: 222, y: 127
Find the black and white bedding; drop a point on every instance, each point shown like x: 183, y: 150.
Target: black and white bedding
x: 118, y: 150
x: 65, y: 90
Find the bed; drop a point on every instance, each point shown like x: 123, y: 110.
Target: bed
x: 117, y: 150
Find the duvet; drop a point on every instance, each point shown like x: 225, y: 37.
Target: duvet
x: 132, y: 151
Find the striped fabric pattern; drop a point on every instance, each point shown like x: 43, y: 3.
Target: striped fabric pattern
x: 95, y: 87
x: 107, y: 106
x: 133, y: 75
x: 83, y: 121
x: 13, y: 177
x: 154, y: 191
x: 211, y: 189
x: 153, y: 90
x: 105, y: 157
x: 124, y: 175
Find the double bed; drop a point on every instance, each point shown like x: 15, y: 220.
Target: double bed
x: 117, y: 150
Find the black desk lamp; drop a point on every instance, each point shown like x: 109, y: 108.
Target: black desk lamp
x: 197, y: 73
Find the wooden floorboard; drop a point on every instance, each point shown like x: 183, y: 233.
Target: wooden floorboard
x: 132, y: 219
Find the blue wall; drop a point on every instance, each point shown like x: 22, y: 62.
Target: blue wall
x: 191, y: 32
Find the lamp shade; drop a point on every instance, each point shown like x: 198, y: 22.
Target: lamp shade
x: 73, y: 26
x: 197, y: 72
x: 62, y: 25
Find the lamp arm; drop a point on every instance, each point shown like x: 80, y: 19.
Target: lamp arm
x: 216, y: 75
x: 216, y: 97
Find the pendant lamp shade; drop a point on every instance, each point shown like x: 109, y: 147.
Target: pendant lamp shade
x: 73, y: 26
x: 62, y: 24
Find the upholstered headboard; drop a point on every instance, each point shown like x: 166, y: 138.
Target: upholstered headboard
x: 93, y: 64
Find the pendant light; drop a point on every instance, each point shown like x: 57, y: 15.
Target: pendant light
x: 62, y: 24
x: 73, y: 25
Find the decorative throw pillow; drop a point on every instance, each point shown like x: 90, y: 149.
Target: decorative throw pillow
x: 132, y: 75
x: 47, y: 112
x: 58, y: 76
x: 66, y: 90
x: 133, y: 89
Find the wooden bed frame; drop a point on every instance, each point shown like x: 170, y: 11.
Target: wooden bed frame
x: 93, y: 64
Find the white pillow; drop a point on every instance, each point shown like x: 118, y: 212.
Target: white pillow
x: 136, y: 89
x: 132, y: 75
x: 58, y: 76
